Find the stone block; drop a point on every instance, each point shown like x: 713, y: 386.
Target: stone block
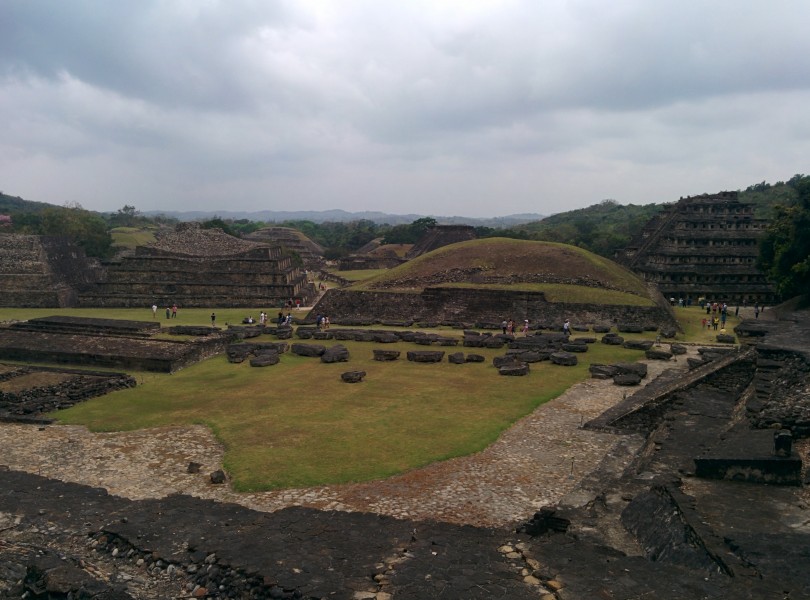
x: 658, y: 354
x: 308, y: 349
x: 353, y: 376
x: 456, y: 358
x: 627, y: 379
x: 514, y: 370
x: 385, y: 355
x: 602, y: 371
x: 566, y: 359
x: 638, y: 344
x: 574, y: 347
x: 638, y: 368
x: 426, y: 356
x: 612, y: 339
x: 265, y: 359
x: 337, y: 353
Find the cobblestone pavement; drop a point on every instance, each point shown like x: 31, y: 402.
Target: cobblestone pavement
x: 533, y: 464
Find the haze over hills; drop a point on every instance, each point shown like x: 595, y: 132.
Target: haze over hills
x: 342, y: 216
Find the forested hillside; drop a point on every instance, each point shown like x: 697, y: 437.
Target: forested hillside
x: 601, y: 228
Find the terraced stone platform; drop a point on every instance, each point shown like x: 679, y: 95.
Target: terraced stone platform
x: 103, y: 343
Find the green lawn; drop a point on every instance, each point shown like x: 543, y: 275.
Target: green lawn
x: 297, y: 424
x: 359, y: 274
x: 130, y: 237
x: 185, y: 316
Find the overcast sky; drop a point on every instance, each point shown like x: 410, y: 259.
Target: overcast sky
x: 467, y: 107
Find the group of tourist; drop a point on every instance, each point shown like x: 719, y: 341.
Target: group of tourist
x: 718, y: 312
x: 508, y: 327
x: 171, y: 311
x: 322, y: 322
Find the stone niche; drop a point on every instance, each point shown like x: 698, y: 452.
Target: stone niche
x: 702, y: 247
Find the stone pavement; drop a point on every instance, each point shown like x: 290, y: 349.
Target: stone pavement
x: 533, y: 464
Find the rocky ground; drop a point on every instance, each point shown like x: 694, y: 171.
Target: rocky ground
x: 120, y: 516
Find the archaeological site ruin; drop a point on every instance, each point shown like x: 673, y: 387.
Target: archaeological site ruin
x: 190, y: 267
x: 703, y: 247
x: 679, y: 476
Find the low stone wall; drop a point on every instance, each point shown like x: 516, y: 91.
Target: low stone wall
x: 464, y: 305
x: 164, y: 356
x: 29, y: 405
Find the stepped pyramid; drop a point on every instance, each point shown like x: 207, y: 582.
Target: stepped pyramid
x: 291, y: 240
x: 702, y: 247
x: 194, y: 267
x: 42, y: 271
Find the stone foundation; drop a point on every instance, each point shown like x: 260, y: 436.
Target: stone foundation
x: 462, y: 305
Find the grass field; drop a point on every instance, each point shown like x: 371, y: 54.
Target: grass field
x: 360, y: 274
x: 296, y: 424
x: 130, y: 237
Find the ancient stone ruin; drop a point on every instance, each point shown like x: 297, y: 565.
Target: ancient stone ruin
x: 42, y: 271
x: 293, y: 242
x: 439, y: 236
x: 28, y: 392
x: 703, y: 495
x: 702, y: 247
x: 484, y: 307
x: 194, y: 267
x: 104, y: 343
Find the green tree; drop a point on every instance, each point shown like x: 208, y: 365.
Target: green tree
x: 127, y: 216
x: 218, y: 223
x: 87, y: 229
x: 409, y: 234
x: 785, y: 249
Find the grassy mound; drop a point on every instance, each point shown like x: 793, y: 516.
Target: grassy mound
x: 564, y: 273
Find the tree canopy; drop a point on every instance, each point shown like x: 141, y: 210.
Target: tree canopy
x: 785, y: 249
x: 86, y: 228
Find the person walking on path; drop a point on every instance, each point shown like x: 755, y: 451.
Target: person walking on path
x: 213, y: 320
x: 154, y: 311
x: 174, y: 311
x: 168, y: 312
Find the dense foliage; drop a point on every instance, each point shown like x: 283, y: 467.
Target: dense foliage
x: 766, y: 196
x: 409, y: 234
x: 785, y: 249
x: 84, y: 227
x: 602, y: 228
x: 232, y: 227
x: 339, y: 239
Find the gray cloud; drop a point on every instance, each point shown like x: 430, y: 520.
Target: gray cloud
x: 478, y: 108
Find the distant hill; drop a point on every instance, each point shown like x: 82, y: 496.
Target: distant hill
x: 15, y: 204
x: 342, y: 216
